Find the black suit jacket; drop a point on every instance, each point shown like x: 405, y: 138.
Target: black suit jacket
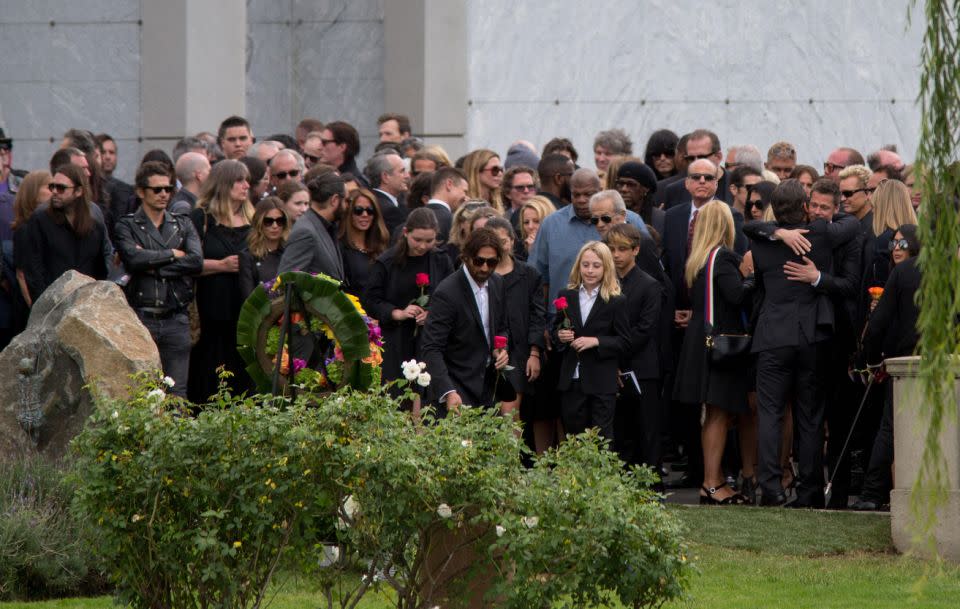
x: 444, y: 218
x: 610, y: 324
x: 892, y: 329
x: 675, y: 225
x: 644, y: 296
x: 792, y: 312
x: 458, y: 355
x: 394, y: 214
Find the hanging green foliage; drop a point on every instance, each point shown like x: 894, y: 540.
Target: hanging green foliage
x: 939, y: 298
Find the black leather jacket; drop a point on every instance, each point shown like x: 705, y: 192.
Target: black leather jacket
x: 158, y: 280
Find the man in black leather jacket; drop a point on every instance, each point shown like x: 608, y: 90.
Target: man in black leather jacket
x: 161, y: 252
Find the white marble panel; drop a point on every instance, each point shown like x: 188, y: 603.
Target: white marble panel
x: 338, y: 10
x: 21, y: 47
x: 269, y: 78
x: 25, y: 109
x: 268, y: 11
x: 94, y: 52
x: 112, y: 106
x: 72, y: 11
x: 358, y: 102
x: 602, y: 60
x: 342, y: 50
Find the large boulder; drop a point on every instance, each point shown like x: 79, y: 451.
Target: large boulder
x: 82, y: 336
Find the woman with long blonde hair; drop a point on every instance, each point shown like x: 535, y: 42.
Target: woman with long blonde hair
x: 268, y: 235
x: 592, y: 331
x: 891, y: 209
x: 713, y: 269
x: 484, y: 177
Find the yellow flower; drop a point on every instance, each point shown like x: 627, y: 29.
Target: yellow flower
x: 356, y: 303
x: 237, y: 544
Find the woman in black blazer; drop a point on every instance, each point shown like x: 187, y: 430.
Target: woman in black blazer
x: 591, y: 344
x: 721, y: 389
x: 525, y: 317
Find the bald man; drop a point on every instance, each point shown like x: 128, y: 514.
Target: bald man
x: 192, y: 170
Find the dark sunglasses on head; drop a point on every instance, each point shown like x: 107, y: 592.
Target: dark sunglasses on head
x: 898, y: 244
x: 360, y: 211
x: 60, y: 188
x: 696, y: 177
x: 479, y: 261
x: 495, y: 171
x: 850, y: 193
x: 311, y: 158
x: 282, y: 175
x: 597, y: 219
x: 158, y: 189
x: 281, y: 221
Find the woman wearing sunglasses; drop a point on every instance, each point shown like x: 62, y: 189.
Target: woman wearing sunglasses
x: 484, y: 177
x: 363, y: 237
x: 268, y: 234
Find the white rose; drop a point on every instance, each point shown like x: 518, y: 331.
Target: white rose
x: 156, y: 394
x: 115, y: 415
x: 169, y: 382
x: 422, y: 366
x: 466, y: 443
x: 444, y: 511
x: 500, y: 531
x: 410, y: 370
x: 423, y: 379
x: 530, y: 521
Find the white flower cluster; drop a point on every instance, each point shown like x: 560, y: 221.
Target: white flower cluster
x: 415, y: 371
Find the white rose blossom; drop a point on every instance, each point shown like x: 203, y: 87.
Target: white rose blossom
x: 501, y: 530
x: 444, y: 511
x: 115, y: 415
x: 530, y: 521
x: 411, y: 370
x: 156, y: 394
x: 466, y: 443
x: 169, y: 382
x: 423, y: 379
x: 422, y: 366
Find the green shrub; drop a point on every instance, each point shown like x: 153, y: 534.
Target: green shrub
x: 43, y: 552
x: 199, y: 512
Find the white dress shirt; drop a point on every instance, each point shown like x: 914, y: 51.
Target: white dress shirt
x: 587, y: 300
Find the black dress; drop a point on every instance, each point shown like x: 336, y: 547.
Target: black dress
x: 254, y: 271
x: 356, y: 268
x: 525, y: 320
x: 391, y: 286
x: 727, y: 385
x: 218, y: 303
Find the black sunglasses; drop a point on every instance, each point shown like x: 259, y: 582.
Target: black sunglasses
x: 158, y: 189
x: 850, y: 193
x: 362, y: 211
x: 282, y: 175
x: 60, y: 188
x: 595, y: 220
x: 898, y: 244
x: 696, y: 177
x: 479, y: 261
x: 281, y: 221
x: 311, y: 158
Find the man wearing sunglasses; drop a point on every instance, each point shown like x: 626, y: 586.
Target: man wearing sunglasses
x: 701, y: 145
x: 161, y: 252
x: 467, y: 310
x: 286, y: 166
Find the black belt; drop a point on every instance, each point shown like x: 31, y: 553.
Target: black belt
x: 157, y: 313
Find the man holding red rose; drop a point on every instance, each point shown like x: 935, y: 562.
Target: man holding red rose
x: 464, y: 340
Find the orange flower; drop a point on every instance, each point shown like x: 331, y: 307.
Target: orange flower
x: 875, y: 293
x: 284, y: 361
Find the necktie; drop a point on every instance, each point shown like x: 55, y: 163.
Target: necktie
x: 693, y: 224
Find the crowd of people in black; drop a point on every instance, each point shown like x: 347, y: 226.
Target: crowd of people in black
x: 715, y: 313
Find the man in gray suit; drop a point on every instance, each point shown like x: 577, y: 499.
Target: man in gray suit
x: 312, y: 246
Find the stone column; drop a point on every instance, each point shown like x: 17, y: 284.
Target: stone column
x: 910, y: 429
x: 425, y: 69
x: 193, y: 67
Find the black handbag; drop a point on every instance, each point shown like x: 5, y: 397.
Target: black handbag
x: 722, y: 348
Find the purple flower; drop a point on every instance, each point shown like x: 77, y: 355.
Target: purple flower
x: 298, y: 364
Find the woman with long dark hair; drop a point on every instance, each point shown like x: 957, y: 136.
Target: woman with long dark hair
x: 222, y: 219
x: 410, y: 269
x: 363, y: 237
x: 268, y: 234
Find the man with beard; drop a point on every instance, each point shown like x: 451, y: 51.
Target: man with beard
x: 555, y: 171
x: 64, y: 235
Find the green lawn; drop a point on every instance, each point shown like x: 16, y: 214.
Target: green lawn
x: 751, y: 558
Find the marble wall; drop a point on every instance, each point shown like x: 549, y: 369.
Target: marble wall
x: 69, y: 64
x: 322, y: 59
x: 817, y: 73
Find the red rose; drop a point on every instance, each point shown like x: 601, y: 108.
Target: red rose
x: 560, y: 303
x: 422, y: 280
x: 499, y: 342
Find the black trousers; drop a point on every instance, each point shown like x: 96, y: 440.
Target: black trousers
x: 637, y: 426
x: 580, y: 411
x: 842, y: 401
x: 879, y: 479
x: 781, y: 373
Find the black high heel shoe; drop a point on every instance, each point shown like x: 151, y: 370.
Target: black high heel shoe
x: 748, y: 488
x: 708, y: 499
